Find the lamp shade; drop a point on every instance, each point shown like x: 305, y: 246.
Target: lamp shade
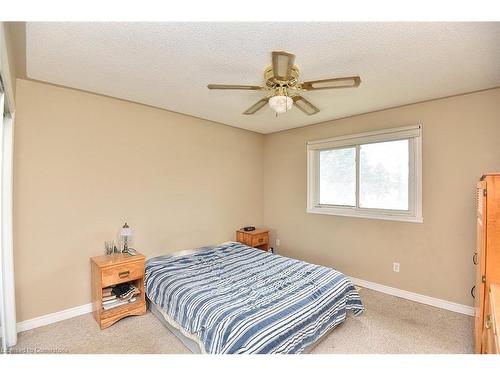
x: 126, y: 231
x: 280, y: 103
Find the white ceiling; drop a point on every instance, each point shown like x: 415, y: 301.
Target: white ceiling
x: 168, y: 65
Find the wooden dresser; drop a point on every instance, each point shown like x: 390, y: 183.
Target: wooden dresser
x: 258, y: 238
x: 110, y: 270
x: 486, y: 258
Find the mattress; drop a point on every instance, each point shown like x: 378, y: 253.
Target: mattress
x: 236, y: 299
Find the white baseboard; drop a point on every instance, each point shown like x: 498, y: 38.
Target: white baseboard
x: 436, y: 302
x: 53, y: 318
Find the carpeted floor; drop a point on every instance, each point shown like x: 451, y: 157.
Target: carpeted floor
x: 389, y: 325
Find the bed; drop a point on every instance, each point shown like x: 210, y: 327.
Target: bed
x: 233, y: 298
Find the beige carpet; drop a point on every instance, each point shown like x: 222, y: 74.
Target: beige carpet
x: 389, y: 325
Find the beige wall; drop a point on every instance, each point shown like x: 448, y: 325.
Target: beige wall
x: 85, y: 163
x: 460, y: 142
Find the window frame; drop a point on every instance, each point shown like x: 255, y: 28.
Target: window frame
x: 414, y: 136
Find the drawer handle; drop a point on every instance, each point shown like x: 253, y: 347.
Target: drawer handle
x: 473, y: 292
x: 123, y: 274
x: 488, y: 323
x: 474, y: 259
x: 261, y: 240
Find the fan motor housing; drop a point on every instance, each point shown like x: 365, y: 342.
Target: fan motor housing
x: 272, y: 82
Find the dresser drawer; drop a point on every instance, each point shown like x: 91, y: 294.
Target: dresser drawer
x: 122, y: 273
x: 260, y: 239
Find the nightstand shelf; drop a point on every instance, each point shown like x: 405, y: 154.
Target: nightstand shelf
x: 107, y: 314
x: 110, y: 270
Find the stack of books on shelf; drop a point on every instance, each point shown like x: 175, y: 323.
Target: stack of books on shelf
x: 119, y: 295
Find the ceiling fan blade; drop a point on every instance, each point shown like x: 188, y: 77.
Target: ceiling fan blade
x: 304, y: 105
x: 233, y: 87
x: 261, y: 103
x: 331, y: 83
x: 282, y: 65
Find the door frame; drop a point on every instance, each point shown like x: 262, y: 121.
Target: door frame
x: 8, y: 331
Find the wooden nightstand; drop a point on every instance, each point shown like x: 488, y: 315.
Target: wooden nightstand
x: 109, y: 270
x: 258, y: 238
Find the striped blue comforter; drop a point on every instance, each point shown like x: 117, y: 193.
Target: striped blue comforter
x: 237, y: 299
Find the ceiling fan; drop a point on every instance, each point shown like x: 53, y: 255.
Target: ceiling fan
x: 283, y: 89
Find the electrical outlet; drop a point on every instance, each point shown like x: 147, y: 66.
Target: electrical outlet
x: 395, y: 267
x: 277, y: 242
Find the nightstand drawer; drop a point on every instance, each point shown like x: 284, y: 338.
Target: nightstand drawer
x: 122, y: 273
x: 260, y: 239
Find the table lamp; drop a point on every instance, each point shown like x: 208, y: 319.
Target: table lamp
x: 125, y: 233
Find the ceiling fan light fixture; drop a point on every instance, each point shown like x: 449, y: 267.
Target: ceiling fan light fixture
x: 280, y: 103
x: 283, y: 89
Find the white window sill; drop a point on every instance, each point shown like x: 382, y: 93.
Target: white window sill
x: 366, y: 214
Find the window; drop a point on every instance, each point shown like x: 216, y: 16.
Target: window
x: 372, y: 175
